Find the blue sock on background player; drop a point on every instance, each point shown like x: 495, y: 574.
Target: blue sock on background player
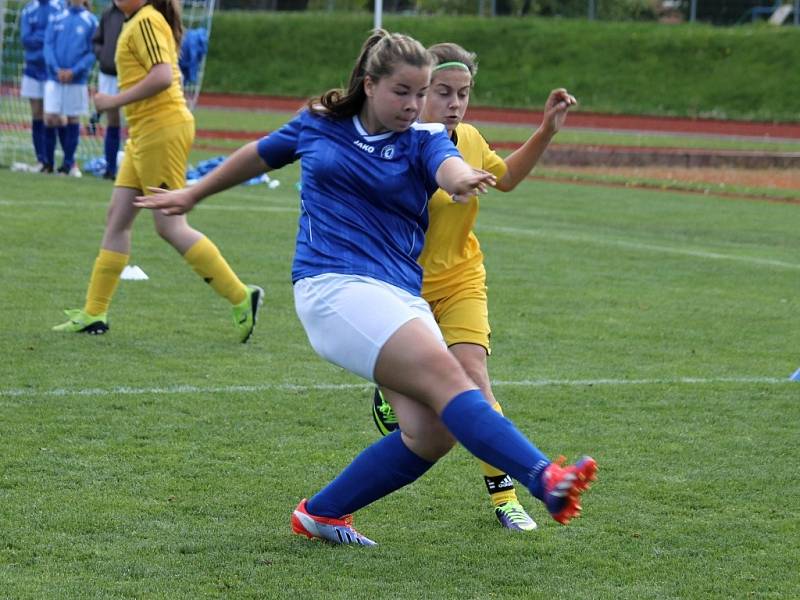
x: 111, y: 147
x: 385, y: 466
x: 49, y: 146
x: 69, y: 142
x: 37, y: 133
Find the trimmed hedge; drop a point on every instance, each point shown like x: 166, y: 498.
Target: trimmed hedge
x: 637, y: 68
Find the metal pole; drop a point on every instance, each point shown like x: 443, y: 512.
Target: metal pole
x: 796, y: 12
x: 693, y: 11
x: 377, y: 21
x: 592, y: 10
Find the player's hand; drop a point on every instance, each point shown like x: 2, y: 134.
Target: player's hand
x: 478, y: 182
x: 65, y: 75
x: 103, y: 101
x: 555, y: 109
x: 169, y: 202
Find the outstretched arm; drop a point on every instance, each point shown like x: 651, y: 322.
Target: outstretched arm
x: 522, y: 161
x: 240, y: 166
x: 461, y: 181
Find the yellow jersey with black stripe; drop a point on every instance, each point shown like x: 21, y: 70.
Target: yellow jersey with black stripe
x: 145, y: 41
x: 452, y: 257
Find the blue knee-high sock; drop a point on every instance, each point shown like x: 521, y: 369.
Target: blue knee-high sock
x: 49, y: 145
x: 385, y: 466
x: 494, y: 439
x: 111, y: 147
x: 69, y: 143
x: 62, y: 136
x: 37, y: 133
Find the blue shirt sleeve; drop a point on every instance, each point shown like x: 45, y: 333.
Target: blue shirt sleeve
x: 32, y: 38
x: 436, y: 148
x: 279, y: 148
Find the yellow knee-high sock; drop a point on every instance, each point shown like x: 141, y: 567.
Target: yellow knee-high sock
x: 207, y: 261
x: 105, y: 276
x: 498, y: 483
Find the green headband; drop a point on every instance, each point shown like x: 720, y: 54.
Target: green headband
x: 452, y: 65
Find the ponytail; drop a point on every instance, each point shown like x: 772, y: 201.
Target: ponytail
x: 171, y: 9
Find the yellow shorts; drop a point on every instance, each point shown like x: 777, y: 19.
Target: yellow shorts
x: 157, y: 159
x: 463, y: 317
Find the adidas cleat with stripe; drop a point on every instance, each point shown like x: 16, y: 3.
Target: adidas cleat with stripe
x: 246, y: 312
x: 335, y: 531
x: 564, y: 485
x: 512, y: 516
x: 81, y: 322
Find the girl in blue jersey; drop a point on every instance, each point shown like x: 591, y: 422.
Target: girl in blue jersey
x: 33, y: 25
x: 367, y: 172
x: 69, y: 57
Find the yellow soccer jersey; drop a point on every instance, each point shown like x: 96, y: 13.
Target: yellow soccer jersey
x: 146, y: 40
x: 452, y: 255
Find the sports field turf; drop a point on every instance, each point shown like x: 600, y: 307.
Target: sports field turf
x: 653, y: 330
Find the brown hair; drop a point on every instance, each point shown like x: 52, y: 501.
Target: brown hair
x: 449, y: 52
x: 380, y: 54
x: 171, y: 9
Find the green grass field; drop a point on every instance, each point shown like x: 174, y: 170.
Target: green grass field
x: 653, y: 330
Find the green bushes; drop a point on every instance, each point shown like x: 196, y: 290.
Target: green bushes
x: 640, y: 68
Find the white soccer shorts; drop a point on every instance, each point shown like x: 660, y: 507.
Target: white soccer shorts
x: 348, y: 318
x: 69, y: 99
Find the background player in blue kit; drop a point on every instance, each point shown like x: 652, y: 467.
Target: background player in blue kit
x: 368, y: 170
x: 69, y: 57
x: 33, y: 25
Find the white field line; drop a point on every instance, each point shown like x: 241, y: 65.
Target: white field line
x: 589, y: 239
x: 267, y: 387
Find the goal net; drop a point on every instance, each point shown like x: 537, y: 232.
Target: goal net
x: 16, y: 147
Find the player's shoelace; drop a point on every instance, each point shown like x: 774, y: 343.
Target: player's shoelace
x: 512, y: 516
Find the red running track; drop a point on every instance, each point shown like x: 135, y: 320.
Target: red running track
x: 533, y: 118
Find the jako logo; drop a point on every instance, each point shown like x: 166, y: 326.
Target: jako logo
x: 387, y: 152
x: 364, y: 147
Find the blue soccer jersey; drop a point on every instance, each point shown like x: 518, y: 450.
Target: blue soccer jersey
x: 364, y: 198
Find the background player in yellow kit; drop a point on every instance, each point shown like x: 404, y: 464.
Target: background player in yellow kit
x: 160, y: 134
x: 454, y: 281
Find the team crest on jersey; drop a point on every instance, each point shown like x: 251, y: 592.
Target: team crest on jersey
x: 387, y: 152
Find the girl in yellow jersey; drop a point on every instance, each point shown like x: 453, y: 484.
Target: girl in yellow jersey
x: 454, y: 281
x: 160, y: 134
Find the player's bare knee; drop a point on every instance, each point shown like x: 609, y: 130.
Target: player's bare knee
x: 431, y: 443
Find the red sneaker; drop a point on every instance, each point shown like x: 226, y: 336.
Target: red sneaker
x: 564, y: 485
x: 336, y: 531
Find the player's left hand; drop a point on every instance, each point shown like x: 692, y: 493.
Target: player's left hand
x: 65, y: 75
x: 169, y: 202
x: 555, y: 109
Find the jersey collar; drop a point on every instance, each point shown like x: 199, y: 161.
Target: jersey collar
x: 370, y: 138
